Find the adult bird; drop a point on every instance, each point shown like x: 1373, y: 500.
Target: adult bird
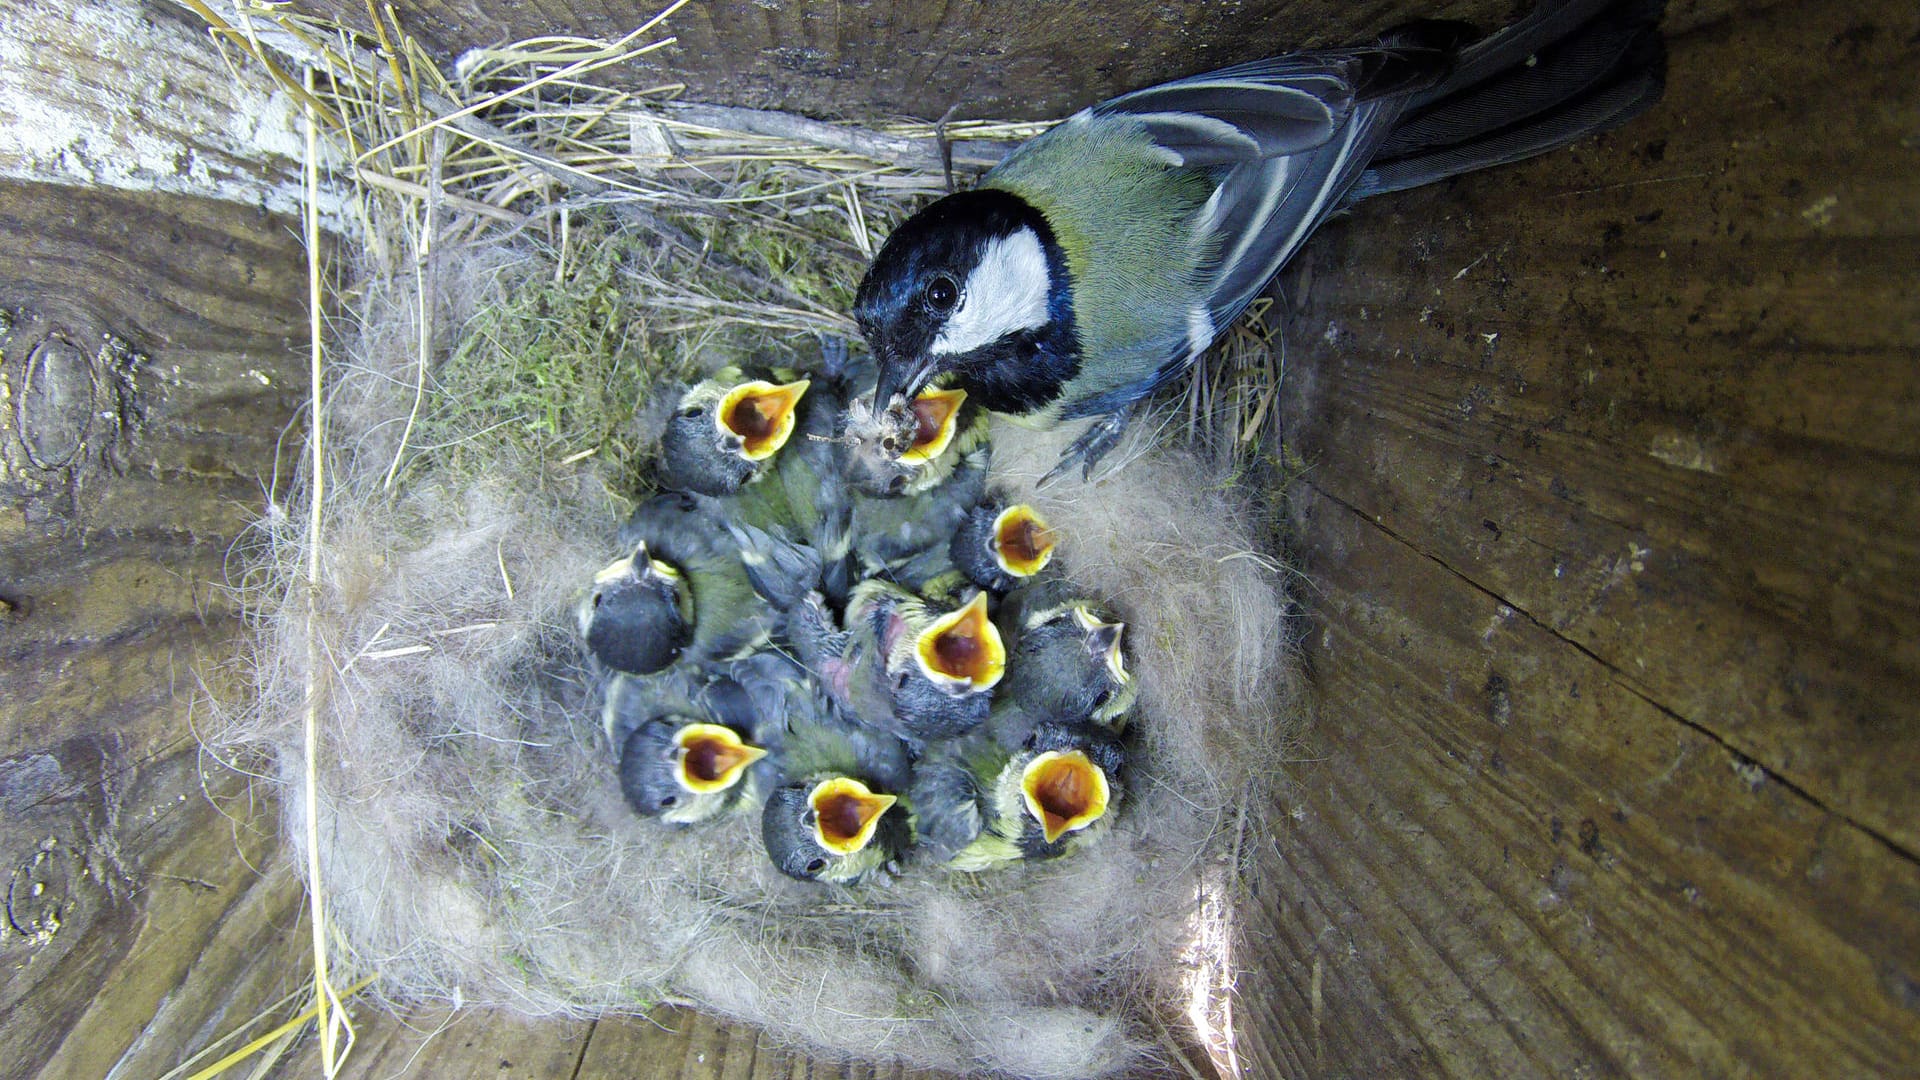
x: 1102, y: 258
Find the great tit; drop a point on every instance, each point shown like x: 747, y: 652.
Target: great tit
x: 637, y: 616
x: 724, y: 431
x: 978, y: 805
x: 839, y: 816
x: 696, y: 742
x: 1065, y: 662
x: 682, y: 596
x: 1000, y: 546
x: 806, y: 499
x: 902, y: 666
x: 1100, y: 259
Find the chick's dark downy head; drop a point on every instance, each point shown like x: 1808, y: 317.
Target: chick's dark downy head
x: 684, y: 770
x: 638, y: 615
x: 836, y: 830
x: 976, y: 285
x: 724, y: 430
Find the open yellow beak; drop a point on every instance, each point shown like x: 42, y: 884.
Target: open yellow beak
x: 845, y: 814
x: 1022, y: 541
x: 761, y: 414
x: 935, y: 415
x: 963, y: 648
x: 712, y: 757
x: 1064, y: 791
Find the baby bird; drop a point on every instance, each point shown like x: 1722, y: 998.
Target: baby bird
x: 724, y: 431
x: 1065, y: 663
x: 838, y: 818
x: 902, y: 667
x: 638, y: 615
x: 999, y: 547
x: 683, y: 595
x: 695, y: 743
x: 979, y: 806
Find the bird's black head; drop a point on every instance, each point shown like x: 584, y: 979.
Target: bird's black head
x: 837, y: 830
x: 724, y: 431
x: 639, y: 614
x: 647, y: 761
x: 976, y: 285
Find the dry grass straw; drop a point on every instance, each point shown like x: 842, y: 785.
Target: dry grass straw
x: 531, y: 256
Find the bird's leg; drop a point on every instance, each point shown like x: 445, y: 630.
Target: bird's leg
x: 1092, y: 445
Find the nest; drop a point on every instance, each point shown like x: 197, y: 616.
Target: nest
x: 536, y: 261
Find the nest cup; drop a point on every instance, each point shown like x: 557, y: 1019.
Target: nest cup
x: 493, y: 395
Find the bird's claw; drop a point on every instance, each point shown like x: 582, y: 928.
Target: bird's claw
x: 1092, y: 445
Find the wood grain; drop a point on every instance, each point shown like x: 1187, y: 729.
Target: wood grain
x: 1609, y: 521
x: 149, y: 372
x: 861, y: 59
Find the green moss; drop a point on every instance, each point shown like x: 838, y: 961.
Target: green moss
x: 559, y: 366
x: 556, y: 368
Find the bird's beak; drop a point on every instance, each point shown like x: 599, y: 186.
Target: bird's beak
x: 1064, y: 791
x: 899, y: 382
x: 1103, y: 641
x: 962, y: 650
x: 638, y: 566
x: 936, y: 415
x: 622, y: 568
x: 845, y: 814
x: 1022, y: 541
x: 712, y: 757
x: 761, y: 415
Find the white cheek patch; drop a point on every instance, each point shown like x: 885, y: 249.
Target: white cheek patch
x: 1005, y: 293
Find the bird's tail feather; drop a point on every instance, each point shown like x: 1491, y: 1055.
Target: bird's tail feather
x: 1567, y: 71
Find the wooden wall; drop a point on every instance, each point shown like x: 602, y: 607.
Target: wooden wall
x: 148, y: 375
x: 1610, y: 523
x: 1612, y: 513
x: 865, y: 59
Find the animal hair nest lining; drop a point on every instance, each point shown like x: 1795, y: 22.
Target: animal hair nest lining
x: 475, y: 846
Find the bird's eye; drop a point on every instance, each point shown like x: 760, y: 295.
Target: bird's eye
x: 596, y: 599
x: 815, y: 866
x: 668, y: 800
x: 942, y: 293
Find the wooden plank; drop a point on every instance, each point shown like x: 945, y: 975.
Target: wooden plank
x: 1656, y: 394
x: 1027, y: 60
x: 151, y: 354
x: 439, y: 1041
x: 147, y: 370
x: 151, y: 930
x: 1609, y: 523
x: 102, y: 94
x: 682, y: 1044
x: 1508, y: 862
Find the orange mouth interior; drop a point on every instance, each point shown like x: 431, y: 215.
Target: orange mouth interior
x: 935, y: 417
x: 964, y: 647
x: 845, y: 814
x: 712, y: 757
x: 1064, y: 792
x: 1023, y: 543
x: 762, y: 415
